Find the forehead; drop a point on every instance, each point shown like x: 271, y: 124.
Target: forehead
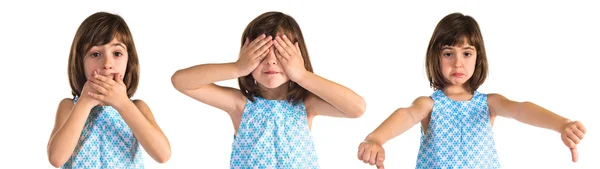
x: 112, y: 44
x: 463, y: 46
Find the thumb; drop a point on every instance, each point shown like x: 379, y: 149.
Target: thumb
x: 118, y: 77
x: 574, y: 154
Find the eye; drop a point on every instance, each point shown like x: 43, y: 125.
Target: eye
x: 447, y: 54
x: 118, y: 54
x: 95, y: 54
x: 467, y: 54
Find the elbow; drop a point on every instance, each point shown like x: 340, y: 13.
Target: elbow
x: 55, y: 161
x: 175, y: 78
x: 359, y: 110
x: 163, y: 157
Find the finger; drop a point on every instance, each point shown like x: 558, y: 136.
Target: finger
x: 280, y: 50
x: 261, y: 43
x: 361, y: 149
x: 102, y: 80
x: 288, y: 43
x: 380, y: 166
x: 98, y: 88
x: 246, y: 42
x: 579, y: 134
x: 373, y: 157
x: 573, y: 137
x: 264, y: 55
x: 118, y: 78
x: 380, y: 157
x: 256, y: 40
x: 568, y: 142
x: 580, y: 127
x: 100, y: 77
x: 98, y: 97
x: 106, y: 72
x: 297, y: 48
x: 264, y: 47
x: 366, y: 155
x: 574, y: 154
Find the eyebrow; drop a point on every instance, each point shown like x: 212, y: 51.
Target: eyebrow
x: 467, y: 47
x: 119, y: 44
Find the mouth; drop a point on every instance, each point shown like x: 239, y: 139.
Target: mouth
x: 271, y: 72
x: 458, y: 74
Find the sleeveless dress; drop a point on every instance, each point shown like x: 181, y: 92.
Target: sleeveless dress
x: 273, y: 134
x: 459, y: 135
x: 105, y: 142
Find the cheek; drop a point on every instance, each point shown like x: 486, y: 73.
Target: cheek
x: 89, y: 67
x: 446, y: 66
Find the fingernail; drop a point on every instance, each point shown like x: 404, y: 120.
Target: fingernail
x: 284, y: 36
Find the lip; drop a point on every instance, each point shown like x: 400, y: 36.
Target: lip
x: 271, y: 72
x: 458, y: 74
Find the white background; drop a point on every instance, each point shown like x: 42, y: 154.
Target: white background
x: 544, y: 52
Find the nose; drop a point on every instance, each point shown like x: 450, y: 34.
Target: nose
x: 107, y: 63
x: 458, y: 62
x: 271, y: 59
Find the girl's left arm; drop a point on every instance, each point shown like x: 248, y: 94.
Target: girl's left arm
x: 140, y: 119
x: 331, y: 99
x: 572, y: 132
x: 328, y: 98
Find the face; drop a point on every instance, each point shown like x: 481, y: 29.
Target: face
x: 269, y: 73
x: 458, y: 63
x: 106, y: 59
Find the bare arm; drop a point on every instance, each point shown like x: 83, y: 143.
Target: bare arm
x: 572, y: 132
x: 198, y: 82
x: 330, y: 98
x: 401, y: 120
x: 69, y: 122
x: 526, y: 112
x: 139, y: 118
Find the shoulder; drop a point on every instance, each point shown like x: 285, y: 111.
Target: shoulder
x: 423, y: 101
x: 494, y: 98
x: 140, y: 103
x: 66, y: 103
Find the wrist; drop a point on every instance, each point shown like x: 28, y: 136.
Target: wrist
x: 85, y: 103
x: 563, y: 125
x: 120, y: 106
x: 373, y: 139
x: 303, y: 76
x: 238, y: 70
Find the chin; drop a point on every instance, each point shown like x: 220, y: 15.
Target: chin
x: 272, y: 85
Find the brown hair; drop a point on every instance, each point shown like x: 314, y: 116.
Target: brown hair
x: 99, y: 29
x: 453, y: 30
x: 271, y: 23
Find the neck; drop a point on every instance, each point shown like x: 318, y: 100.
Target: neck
x: 278, y: 93
x: 455, y: 89
x: 457, y: 93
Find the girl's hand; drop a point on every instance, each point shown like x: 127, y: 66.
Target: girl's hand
x: 111, y: 89
x: 290, y: 57
x: 85, y: 98
x: 572, y: 134
x: 372, y: 153
x: 252, y: 53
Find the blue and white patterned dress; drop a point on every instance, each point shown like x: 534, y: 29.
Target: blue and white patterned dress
x: 105, y: 142
x: 273, y: 134
x: 459, y: 135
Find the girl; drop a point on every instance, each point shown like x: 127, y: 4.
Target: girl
x: 279, y: 95
x: 101, y: 127
x: 456, y: 120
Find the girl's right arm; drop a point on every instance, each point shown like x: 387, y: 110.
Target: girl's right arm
x: 69, y: 122
x: 198, y: 81
x: 371, y: 150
